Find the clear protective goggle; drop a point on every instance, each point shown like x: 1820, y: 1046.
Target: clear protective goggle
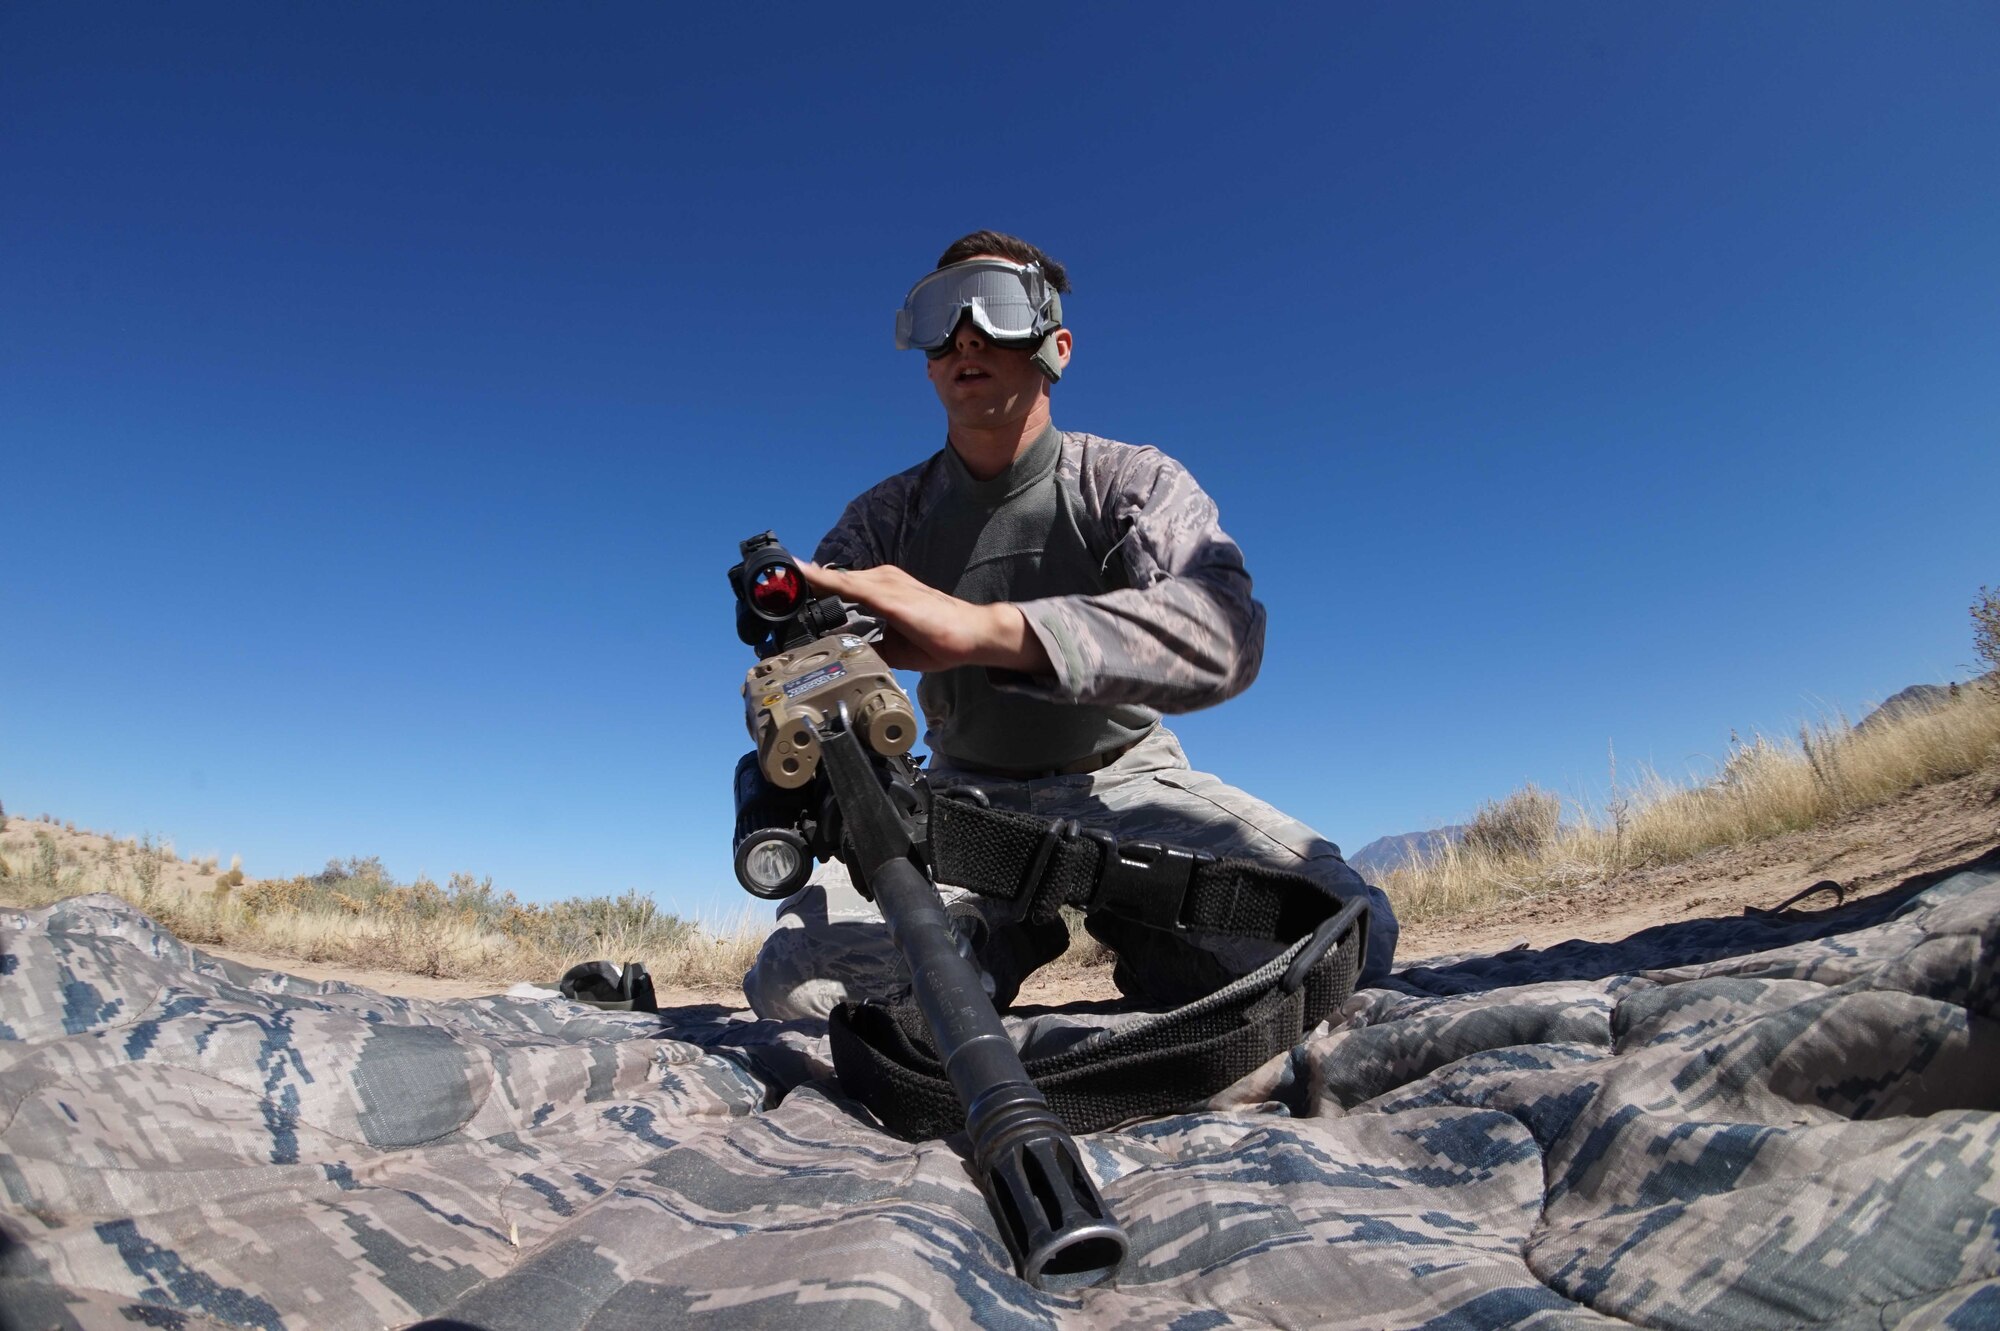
x: 1010, y: 302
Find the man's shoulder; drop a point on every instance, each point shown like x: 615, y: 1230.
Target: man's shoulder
x: 894, y: 494
x: 1102, y: 467
x: 870, y: 528
x: 1094, y: 450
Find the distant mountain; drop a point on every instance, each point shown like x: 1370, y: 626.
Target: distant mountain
x: 1393, y: 852
x: 1913, y: 701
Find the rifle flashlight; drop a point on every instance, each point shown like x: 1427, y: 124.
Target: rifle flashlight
x: 773, y: 863
x: 775, y: 831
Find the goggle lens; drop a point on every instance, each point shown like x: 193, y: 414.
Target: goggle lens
x: 1008, y: 302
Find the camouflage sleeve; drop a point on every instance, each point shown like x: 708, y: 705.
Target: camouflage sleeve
x: 870, y: 528
x: 850, y: 543
x: 1184, y: 632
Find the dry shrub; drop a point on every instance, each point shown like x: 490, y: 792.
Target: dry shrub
x: 1986, y: 634
x: 440, y: 946
x: 549, y: 939
x: 701, y: 956
x: 146, y: 865
x: 353, y: 912
x: 45, y: 876
x: 277, y: 896
x: 1523, y: 824
x: 1764, y: 788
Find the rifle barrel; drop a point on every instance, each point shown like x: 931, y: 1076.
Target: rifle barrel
x: 1050, y: 1213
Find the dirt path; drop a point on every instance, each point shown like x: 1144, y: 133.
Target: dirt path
x: 1927, y: 829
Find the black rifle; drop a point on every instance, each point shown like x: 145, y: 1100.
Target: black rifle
x: 812, y: 790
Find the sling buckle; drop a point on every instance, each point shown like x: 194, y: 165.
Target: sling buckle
x: 1331, y: 930
x: 1061, y: 830
x: 1142, y: 881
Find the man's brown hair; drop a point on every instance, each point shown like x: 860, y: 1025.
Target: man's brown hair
x: 1012, y: 247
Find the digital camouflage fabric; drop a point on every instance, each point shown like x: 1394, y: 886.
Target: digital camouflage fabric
x: 1771, y: 1122
x: 1172, y: 628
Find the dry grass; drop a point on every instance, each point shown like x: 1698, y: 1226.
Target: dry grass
x: 1520, y: 848
x: 355, y: 914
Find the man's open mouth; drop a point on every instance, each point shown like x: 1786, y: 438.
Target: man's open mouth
x: 971, y: 372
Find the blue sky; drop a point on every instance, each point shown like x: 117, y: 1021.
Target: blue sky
x: 384, y: 389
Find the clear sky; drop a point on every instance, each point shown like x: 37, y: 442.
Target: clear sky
x: 384, y: 389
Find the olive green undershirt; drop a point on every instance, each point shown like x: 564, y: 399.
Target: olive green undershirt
x: 1016, y: 537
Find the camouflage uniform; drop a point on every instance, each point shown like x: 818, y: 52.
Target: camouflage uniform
x: 1141, y: 601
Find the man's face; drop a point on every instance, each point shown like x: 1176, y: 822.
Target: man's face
x: 982, y: 385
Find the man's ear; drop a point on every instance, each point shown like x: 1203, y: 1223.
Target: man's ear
x: 1063, y: 343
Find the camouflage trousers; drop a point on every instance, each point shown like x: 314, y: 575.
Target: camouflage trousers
x: 830, y: 943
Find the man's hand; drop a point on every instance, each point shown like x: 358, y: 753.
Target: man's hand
x: 924, y: 629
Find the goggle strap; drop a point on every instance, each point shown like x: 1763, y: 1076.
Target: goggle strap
x: 1046, y: 358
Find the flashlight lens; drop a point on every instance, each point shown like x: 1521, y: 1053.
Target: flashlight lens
x: 771, y: 863
x: 776, y: 589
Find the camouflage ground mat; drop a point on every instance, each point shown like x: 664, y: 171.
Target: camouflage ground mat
x: 1782, y: 1121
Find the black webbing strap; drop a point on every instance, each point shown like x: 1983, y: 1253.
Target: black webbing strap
x: 1154, y: 1065
x: 1041, y: 867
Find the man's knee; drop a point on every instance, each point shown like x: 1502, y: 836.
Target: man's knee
x: 1169, y: 967
x: 1203, y: 812
x: 780, y: 984
x: 1340, y: 878
x: 829, y: 946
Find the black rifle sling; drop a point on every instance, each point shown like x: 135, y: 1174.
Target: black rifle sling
x: 1155, y: 1065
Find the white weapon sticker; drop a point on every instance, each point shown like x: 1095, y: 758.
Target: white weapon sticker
x: 806, y: 683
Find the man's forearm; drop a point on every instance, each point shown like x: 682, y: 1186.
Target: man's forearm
x: 1181, y: 645
x: 926, y: 629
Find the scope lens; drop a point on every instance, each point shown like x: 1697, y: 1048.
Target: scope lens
x: 770, y: 864
x: 776, y: 589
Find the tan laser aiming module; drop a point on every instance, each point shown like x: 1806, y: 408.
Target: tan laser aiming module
x: 786, y: 695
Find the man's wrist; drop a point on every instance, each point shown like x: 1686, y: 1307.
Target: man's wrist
x: 1012, y: 643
